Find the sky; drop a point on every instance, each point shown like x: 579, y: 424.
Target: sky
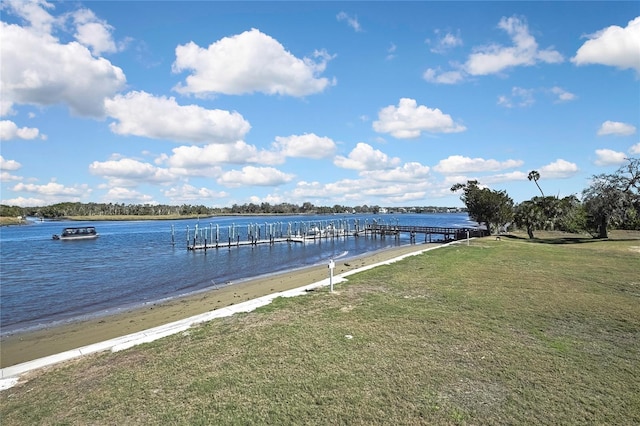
x: 349, y: 103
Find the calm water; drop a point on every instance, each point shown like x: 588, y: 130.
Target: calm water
x: 45, y: 282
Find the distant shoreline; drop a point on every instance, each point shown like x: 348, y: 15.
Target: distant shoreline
x: 11, y: 221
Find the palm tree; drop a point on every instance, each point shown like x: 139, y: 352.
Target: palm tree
x: 534, y: 176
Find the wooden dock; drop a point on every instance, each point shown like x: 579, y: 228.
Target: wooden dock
x: 207, y: 239
x: 448, y: 234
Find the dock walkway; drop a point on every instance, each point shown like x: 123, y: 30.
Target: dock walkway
x: 200, y: 241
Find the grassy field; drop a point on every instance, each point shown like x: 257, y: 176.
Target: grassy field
x: 10, y: 220
x: 498, y: 332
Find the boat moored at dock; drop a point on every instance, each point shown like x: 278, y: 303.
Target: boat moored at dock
x: 77, y: 233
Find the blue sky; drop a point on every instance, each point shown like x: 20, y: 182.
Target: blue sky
x: 350, y: 103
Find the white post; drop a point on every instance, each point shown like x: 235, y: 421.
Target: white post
x: 332, y: 265
x: 467, y: 237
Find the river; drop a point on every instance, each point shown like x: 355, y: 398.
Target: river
x: 46, y: 282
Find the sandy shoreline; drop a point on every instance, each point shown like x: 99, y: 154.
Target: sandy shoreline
x: 19, y: 348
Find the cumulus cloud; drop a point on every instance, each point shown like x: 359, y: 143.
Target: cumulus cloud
x: 524, y: 51
x: 128, y: 172
x: 408, y: 172
x: 28, y: 76
x: 613, y: 46
x: 616, y: 128
x: 497, y: 58
x: 34, y: 13
x: 308, y: 145
x: 94, y: 33
x: 189, y: 193
x: 9, y: 131
x: 204, y: 160
x: 259, y: 176
x: 608, y: 157
x: 504, y: 177
x: 142, y: 114
x: 365, y: 157
x: 128, y: 195
x: 559, y: 169
x: 27, y: 202
x: 358, y: 191
x: 10, y: 165
x: 408, y: 120
x: 635, y: 149
x: 53, y: 189
x: 455, y: 164
x: 246, y: 63
x: 352, y: 21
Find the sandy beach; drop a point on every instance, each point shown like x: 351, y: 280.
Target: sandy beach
x: 19, y: 348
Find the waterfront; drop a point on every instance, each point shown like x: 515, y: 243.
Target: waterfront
x: 134, y: 263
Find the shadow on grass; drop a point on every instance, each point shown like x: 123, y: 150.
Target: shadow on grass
x: 565, y: 239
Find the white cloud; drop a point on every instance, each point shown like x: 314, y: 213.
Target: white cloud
x: 445, y: 42
x: 246, y: 63
x: 613, y: 46
x: 409, y: 172
x: 128, y: 195
x: 8, y: 177
x: 364, y: 157
x: 195, y: 159
x: 608, y: 157
x: 308, y: 145
x: 449, y: 77
x: 520, y: 97
x: 40, y: 21
x: 616, y: 128
x: 250, y: 175
x: 93, y: 32
x: 559, y: 169
x: 352, y: 21
x: 78, y: 79
x: 9, y: 130
x: 53, y: 189
x: 11, y: 165
x: 504, y: 177
x: 496, y: 58
x: 129, y: 172
x: 408, y: 120
x: 635, y: 149
x: 459, y: 164
x: 359, y: 191
x: 189, y: 193
x: 524, y: 52
x: 562, y: 95
x: 142, y: 114
x: 26, y: 202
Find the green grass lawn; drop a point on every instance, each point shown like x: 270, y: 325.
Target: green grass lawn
x: 497, y: 332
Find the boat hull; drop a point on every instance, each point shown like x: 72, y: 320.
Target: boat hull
x: 77, y: 233
x: 75, y: 238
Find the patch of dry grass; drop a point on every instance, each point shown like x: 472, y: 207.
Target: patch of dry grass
x: 11, y: 220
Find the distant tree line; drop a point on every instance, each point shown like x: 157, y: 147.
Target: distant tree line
x: 610, y: 201
x: 68, y: 209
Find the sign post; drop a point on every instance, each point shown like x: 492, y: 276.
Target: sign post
x: 332, y: 266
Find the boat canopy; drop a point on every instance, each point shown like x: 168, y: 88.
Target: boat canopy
x: 83, y: 230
